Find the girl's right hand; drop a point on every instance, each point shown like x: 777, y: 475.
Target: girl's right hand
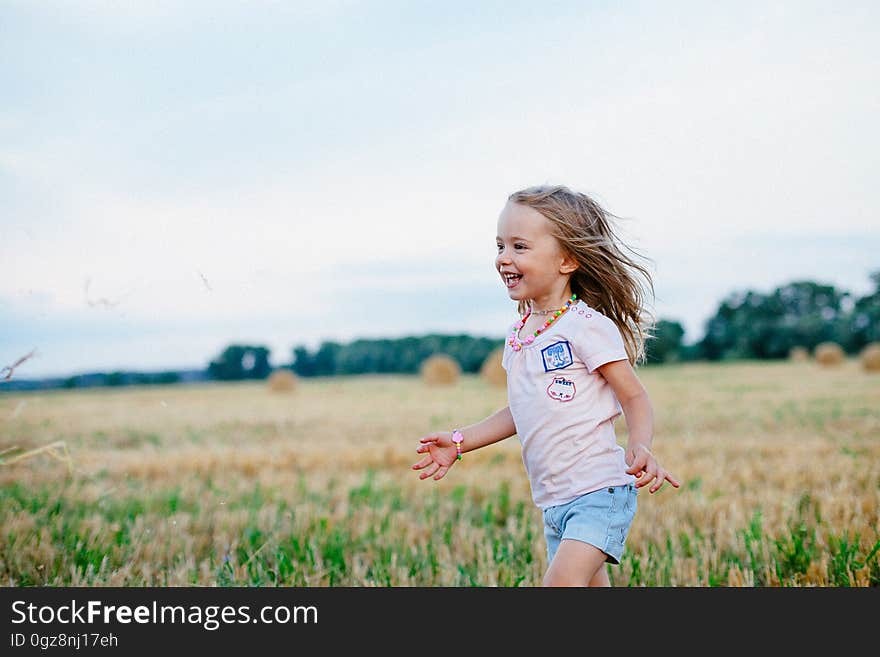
x: 440, y: 455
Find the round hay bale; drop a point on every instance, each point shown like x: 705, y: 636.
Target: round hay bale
x: 491, y: 369
x: 799, y: 354
x: 870, y: 357
x: 282, y: 380
x: 829, y: 354
x: 440, y: 369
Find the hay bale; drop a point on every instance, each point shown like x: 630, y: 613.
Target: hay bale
x: 870, y: 357
x: 282, y: 380
x: 440, y: 369
x: 829, y: 354
x: 799, y: 354
x: 491, y: 369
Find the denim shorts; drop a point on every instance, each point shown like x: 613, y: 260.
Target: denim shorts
x: 601, y: 518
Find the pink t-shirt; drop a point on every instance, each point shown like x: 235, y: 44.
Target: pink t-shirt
x: 564, y: 410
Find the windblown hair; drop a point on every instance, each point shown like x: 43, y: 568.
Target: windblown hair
x: 606, y: 278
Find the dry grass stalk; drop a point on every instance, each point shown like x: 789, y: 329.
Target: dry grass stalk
x: 103, y: 301
x: 52, y: 449
x: 12, y: 367
x: 205, y: 281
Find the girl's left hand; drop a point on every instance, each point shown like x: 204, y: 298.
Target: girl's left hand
x: 440, y: 455
x: 645, y: 467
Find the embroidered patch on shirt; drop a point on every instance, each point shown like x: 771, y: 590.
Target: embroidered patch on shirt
x: 561, y: 389
x: 557, y: 356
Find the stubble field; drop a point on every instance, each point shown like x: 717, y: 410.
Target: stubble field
x: 236, y: 485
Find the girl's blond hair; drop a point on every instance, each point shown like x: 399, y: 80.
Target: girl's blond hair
x: 606, y: 278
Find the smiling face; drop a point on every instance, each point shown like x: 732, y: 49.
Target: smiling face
x: 532, y: 264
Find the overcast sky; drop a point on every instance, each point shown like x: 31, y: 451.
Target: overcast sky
x: 179, y: 176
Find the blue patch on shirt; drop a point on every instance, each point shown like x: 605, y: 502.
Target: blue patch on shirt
x: 557, y: 356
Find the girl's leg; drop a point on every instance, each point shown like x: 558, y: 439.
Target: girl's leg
x: 601, y: 577
x: 577, y: 564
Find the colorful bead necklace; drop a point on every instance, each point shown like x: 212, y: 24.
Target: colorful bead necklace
x: 517, y: 344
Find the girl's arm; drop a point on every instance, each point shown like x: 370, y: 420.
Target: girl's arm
x: 639, y: 414
x: 441, y: 454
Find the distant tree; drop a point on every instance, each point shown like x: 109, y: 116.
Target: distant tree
x: 322, y: 363
x: 361, y: 357
x: 167, y: 377
x: 666, y: 345
x: 690, y: 352
x: 241, y: 362
x: 303, y: 362
x: 754, y: 325
x: 325, y: 359
x: 863, y: 322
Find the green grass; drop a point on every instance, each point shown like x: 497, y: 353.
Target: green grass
x: 366, y: 541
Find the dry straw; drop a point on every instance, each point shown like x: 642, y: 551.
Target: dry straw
x: 57, y: 450
x: 799, y: 354
x: 870, y: 357
x: 491, y: 369
x: 282, y: 380
x: 440, y: 369
x: 829, y: 354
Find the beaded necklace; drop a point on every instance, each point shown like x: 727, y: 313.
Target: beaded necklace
x: 517, y: 344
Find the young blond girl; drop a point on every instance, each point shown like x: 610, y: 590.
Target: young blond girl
x: 569, y: 363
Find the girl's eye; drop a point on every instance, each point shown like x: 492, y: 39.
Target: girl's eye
x: 519, y: 246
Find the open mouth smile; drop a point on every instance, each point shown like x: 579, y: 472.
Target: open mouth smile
x: 511, y: 280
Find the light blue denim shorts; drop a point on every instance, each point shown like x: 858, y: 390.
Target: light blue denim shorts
x: 601, y: 518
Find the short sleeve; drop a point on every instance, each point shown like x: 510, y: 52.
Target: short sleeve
x: 598, y: 340
x: 505, y: 355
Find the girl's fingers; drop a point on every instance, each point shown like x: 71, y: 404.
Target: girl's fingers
x: 661, y: 477
x: 424, y: 462
x: 647, y: 477
x: 441, y: 472
x: 637, y: 466
x: 430, y: 471
x: 634, y: 467
x: 646, y: 469
x: 433, y: 438
x: 635, y: 458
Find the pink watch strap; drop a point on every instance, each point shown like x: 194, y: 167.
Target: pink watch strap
x: 457, y: 438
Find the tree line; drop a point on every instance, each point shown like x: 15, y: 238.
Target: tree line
x: 746, y: 325
x: 801, y: 314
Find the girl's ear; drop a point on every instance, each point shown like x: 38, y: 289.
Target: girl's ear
x: 569, y: 264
